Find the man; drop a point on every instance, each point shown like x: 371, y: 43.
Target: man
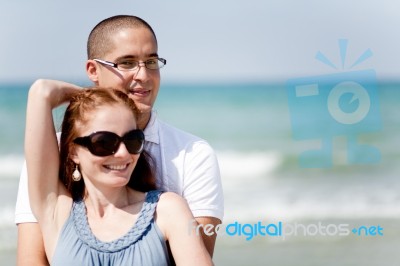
x: 122, y: 53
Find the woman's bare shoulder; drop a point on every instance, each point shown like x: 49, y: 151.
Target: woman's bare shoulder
x: 172, y: 202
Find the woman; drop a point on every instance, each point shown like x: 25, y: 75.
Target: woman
x: 92, y: 199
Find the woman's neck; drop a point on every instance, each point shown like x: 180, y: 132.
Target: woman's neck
x: 100, y: 203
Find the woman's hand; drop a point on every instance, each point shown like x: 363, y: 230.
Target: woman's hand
x: 55, y: 92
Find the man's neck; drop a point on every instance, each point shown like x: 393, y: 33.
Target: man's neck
x: 143, y: 120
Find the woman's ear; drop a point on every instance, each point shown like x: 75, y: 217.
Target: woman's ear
x: 92, y: 71
x: 73, y: 155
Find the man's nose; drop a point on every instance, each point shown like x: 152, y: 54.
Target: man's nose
x: 141, y: 72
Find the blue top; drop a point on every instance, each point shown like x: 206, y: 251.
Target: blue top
x: 144, y: 244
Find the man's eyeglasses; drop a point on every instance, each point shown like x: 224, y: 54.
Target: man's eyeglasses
x: 129, y: 65
x: 104, y: 143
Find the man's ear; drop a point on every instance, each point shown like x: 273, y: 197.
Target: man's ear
x: 92, y: 71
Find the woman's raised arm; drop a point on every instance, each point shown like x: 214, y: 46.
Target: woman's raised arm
x: 41, y: 148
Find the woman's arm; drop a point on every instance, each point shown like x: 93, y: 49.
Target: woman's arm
x: 176, y: 222
x: 41, y: 148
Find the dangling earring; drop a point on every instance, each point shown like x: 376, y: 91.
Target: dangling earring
x: 76, y: 175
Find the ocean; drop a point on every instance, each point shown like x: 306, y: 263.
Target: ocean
x: 277, y: 212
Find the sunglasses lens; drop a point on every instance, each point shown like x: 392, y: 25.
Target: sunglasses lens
x: 104, y: 143
x: 133, y: 141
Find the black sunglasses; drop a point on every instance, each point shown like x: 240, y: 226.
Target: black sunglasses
x: 104, y: 143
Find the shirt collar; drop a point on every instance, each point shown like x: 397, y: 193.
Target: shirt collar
x: 151, y: 130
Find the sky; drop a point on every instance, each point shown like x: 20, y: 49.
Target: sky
x: 207, y: 41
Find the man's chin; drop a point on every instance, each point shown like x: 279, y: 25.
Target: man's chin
x: 144, y: 108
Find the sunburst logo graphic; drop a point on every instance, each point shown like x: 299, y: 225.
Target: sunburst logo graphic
x: 343, y: 44
x: 339, y: 104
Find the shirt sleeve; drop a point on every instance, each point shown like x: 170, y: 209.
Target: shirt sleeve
x: 202, y: 185
x: 23, y: 212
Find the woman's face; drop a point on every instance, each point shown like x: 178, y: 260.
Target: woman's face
x: 109, y: 171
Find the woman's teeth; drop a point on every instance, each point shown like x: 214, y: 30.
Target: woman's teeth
x: 117, y: 167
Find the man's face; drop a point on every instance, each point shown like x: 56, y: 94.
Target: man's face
x: 142, y: 84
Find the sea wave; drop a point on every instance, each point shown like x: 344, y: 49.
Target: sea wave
x: 280, y: 207
x: 7, y: 216
x: 238, y: 165
x: 257, y: 186
x: 11, y: 165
